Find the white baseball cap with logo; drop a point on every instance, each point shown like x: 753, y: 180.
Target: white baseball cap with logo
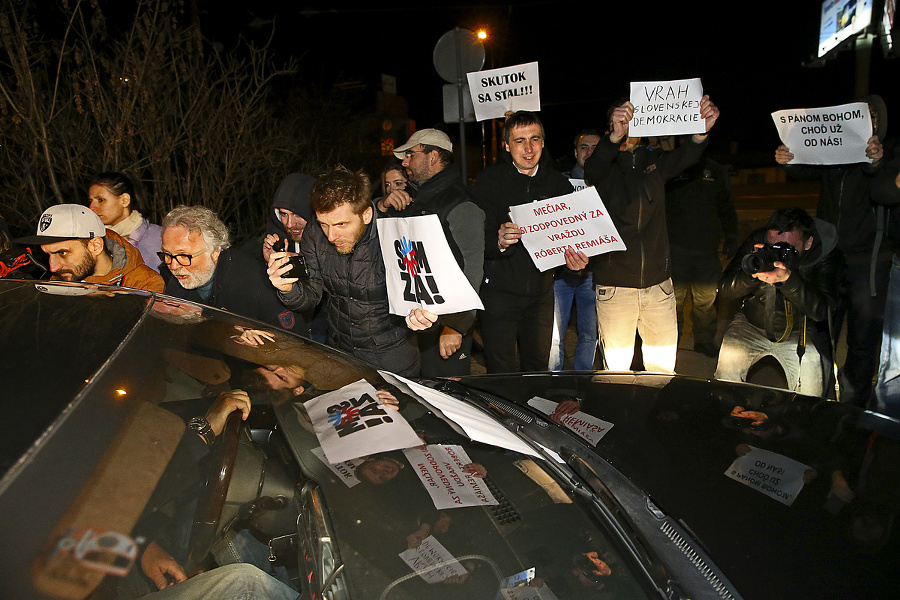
x: 66, y: 222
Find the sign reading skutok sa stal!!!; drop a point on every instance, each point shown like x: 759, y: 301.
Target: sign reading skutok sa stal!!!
x: 666, y: 108
x: 499, y: 90
x: 420, y: 270
x: 833, y: 135
x: 578, y: 220
x: 351, y: 422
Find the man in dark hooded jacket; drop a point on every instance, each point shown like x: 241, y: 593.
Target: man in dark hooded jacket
x: 517, y: 297
x: 289, y: 215
x: 288, y: 218
x: 784, y: 305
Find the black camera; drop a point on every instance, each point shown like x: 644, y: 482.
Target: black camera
x: 765, y: 258
x: 298, y: 267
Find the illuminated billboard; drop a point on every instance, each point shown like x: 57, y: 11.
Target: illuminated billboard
x: 840, y: 20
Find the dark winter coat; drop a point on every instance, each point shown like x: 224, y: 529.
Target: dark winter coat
x: 240, y: 285
x: 632, y: 187
x: 357, y: 315
x: 496, y: 189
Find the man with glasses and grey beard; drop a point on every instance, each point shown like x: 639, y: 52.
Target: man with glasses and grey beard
x: 196, y: 249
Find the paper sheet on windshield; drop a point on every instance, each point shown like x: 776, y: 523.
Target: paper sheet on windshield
x: 344, y: 470
x: 527, y: 592
x: 425, y: 559
x: 351, y: 422
x: 474, y: 424
x: 589, y: 427
x: 440, y: 468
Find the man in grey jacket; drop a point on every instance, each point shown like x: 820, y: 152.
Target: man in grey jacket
x: 435, y: 188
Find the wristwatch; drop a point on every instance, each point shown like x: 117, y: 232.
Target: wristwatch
x: 201, y: 426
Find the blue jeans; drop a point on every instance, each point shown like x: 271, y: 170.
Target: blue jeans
x: 231, y: 582
x: 887, y: 388
x: 571, y: 288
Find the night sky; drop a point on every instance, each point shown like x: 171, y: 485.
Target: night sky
x: 748, y: 55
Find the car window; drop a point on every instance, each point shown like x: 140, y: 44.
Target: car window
x: 539, y: 529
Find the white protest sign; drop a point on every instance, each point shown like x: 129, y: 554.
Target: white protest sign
x: 350, y: 422
x: 589, y: 427
x: 666, y: 108
x: 497, y: 91
x: 528, y: 592
x: 772, y: 474
x: 833, y: 135
x: 476, y: 424
x: 578, y: 220
x: 420, y: 270
x: 440, y: 469
x: 578, y: 184
x: 432, y: 561
x: 345, y: 470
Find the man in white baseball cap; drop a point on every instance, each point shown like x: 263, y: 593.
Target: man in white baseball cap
x: 80, y: 248
x: 435, y: 188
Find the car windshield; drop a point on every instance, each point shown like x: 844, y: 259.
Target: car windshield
x: 107, y: 467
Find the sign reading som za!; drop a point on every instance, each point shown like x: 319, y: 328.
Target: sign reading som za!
x: 420, y: 270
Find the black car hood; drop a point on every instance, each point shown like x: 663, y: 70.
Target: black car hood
x: 675, y: 438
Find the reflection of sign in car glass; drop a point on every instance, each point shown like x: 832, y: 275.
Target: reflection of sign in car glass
x: 106, y: 551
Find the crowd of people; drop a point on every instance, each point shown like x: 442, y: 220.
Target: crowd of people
x: 319, y: 270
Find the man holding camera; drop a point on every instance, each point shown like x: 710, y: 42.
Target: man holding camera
x: 788, y: 276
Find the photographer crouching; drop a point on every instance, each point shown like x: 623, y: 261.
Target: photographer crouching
x: 788, y: 276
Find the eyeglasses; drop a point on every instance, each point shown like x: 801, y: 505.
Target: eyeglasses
x: 182, y: 259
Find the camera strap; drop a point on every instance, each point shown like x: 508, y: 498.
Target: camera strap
x: 788, y: 321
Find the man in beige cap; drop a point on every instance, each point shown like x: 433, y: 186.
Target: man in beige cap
x: 435, y: 188
x: 80, y: 248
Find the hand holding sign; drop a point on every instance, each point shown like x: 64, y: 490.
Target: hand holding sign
x: 576, y: 260
x: 420, y: 319
x: 709, y: 112
x: 508, y: 234
x: 620, y: 118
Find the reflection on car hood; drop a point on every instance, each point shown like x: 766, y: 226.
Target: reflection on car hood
x: 680, y: 440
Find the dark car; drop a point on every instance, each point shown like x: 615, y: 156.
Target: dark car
x: 568, y: 486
